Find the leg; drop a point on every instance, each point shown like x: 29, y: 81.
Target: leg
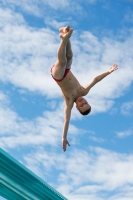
x: 69, y: 55
x: 64, y: 50
x: 60, y: 65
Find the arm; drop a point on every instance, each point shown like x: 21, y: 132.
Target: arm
x: 67, y: 115
x: 99, y: 78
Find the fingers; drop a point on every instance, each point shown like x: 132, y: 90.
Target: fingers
x: 65, y: 143
x: 115, y: 66
x: 68, y: 144
x: 61, y: 29
x: 64, y: 146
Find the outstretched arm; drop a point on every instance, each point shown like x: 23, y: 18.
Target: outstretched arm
x: 99, y: 78
x: 67, y: 115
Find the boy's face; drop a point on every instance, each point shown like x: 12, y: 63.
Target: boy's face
x: 82, y: 104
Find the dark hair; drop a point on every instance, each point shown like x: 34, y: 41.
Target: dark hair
x: 85, y: 112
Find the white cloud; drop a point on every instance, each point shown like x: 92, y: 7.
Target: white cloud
x: 85, y: 174
x: 28, y: 53
x: 17, y: 131
x: 95, y: 58
x: 59, y: 4
x: 7, y: 16
x: 3, y: 99
x: 127, y: 108
x: 54, y: 23
x: 99, y: 104
x: 124, y: 134
x: 96, y: 139
x: 40, y: 8
x: 128, y: 18
x: 23, y: 55
x: 43, y: 130
x: 30, y: 7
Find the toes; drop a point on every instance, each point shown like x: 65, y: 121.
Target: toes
x: 66, y: 34
x: 61, y: 36
x: 61, y: 29
x: 71, y: 31
x: 67, y: 28
x: 64, y: 29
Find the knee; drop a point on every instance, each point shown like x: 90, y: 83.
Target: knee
x: 62, y: 62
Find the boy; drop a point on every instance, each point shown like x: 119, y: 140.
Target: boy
x: 72, y: 91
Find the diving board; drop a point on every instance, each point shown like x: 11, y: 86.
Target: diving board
x: 19, y: 183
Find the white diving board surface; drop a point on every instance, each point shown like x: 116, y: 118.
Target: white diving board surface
x: 19, y: 183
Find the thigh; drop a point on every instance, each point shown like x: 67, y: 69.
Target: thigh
x: 58, y: 70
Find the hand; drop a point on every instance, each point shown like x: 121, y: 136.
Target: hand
x: 64, y: 144
x: 113, y: 68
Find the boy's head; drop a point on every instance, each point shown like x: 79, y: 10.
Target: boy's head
x: 82, y: 106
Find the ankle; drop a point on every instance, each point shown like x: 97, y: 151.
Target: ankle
x: 64, y: 41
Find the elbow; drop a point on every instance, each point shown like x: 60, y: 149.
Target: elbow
x: 66, y: 121
x: 96, y: 79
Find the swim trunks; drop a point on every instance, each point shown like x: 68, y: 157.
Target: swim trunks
x: 59, y: 80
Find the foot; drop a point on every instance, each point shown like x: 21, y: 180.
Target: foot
x: 65, y: 33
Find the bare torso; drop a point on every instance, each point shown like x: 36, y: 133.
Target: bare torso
x: 71, y: 88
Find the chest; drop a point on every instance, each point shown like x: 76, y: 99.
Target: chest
x: 70, y: 87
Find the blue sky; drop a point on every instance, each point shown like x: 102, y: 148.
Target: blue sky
x: 99, y: 163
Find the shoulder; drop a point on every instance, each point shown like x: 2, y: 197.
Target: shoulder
x: 84, y: 91
x: 68, y: 101
x: 89, y: 86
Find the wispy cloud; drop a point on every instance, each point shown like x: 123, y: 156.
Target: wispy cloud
x: 97, y: 139
x: 127, y: 108
x: 43, y: 130
x: 31, y: 7
x: 38, y: 8
x: 57, y: 4
x: 3, y: 99
x: 124, y: 134
x: 27, y: 54
x: 17, y: 131
x: 54, y: 23
x: 129, y: 16
x: 102, y: 170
